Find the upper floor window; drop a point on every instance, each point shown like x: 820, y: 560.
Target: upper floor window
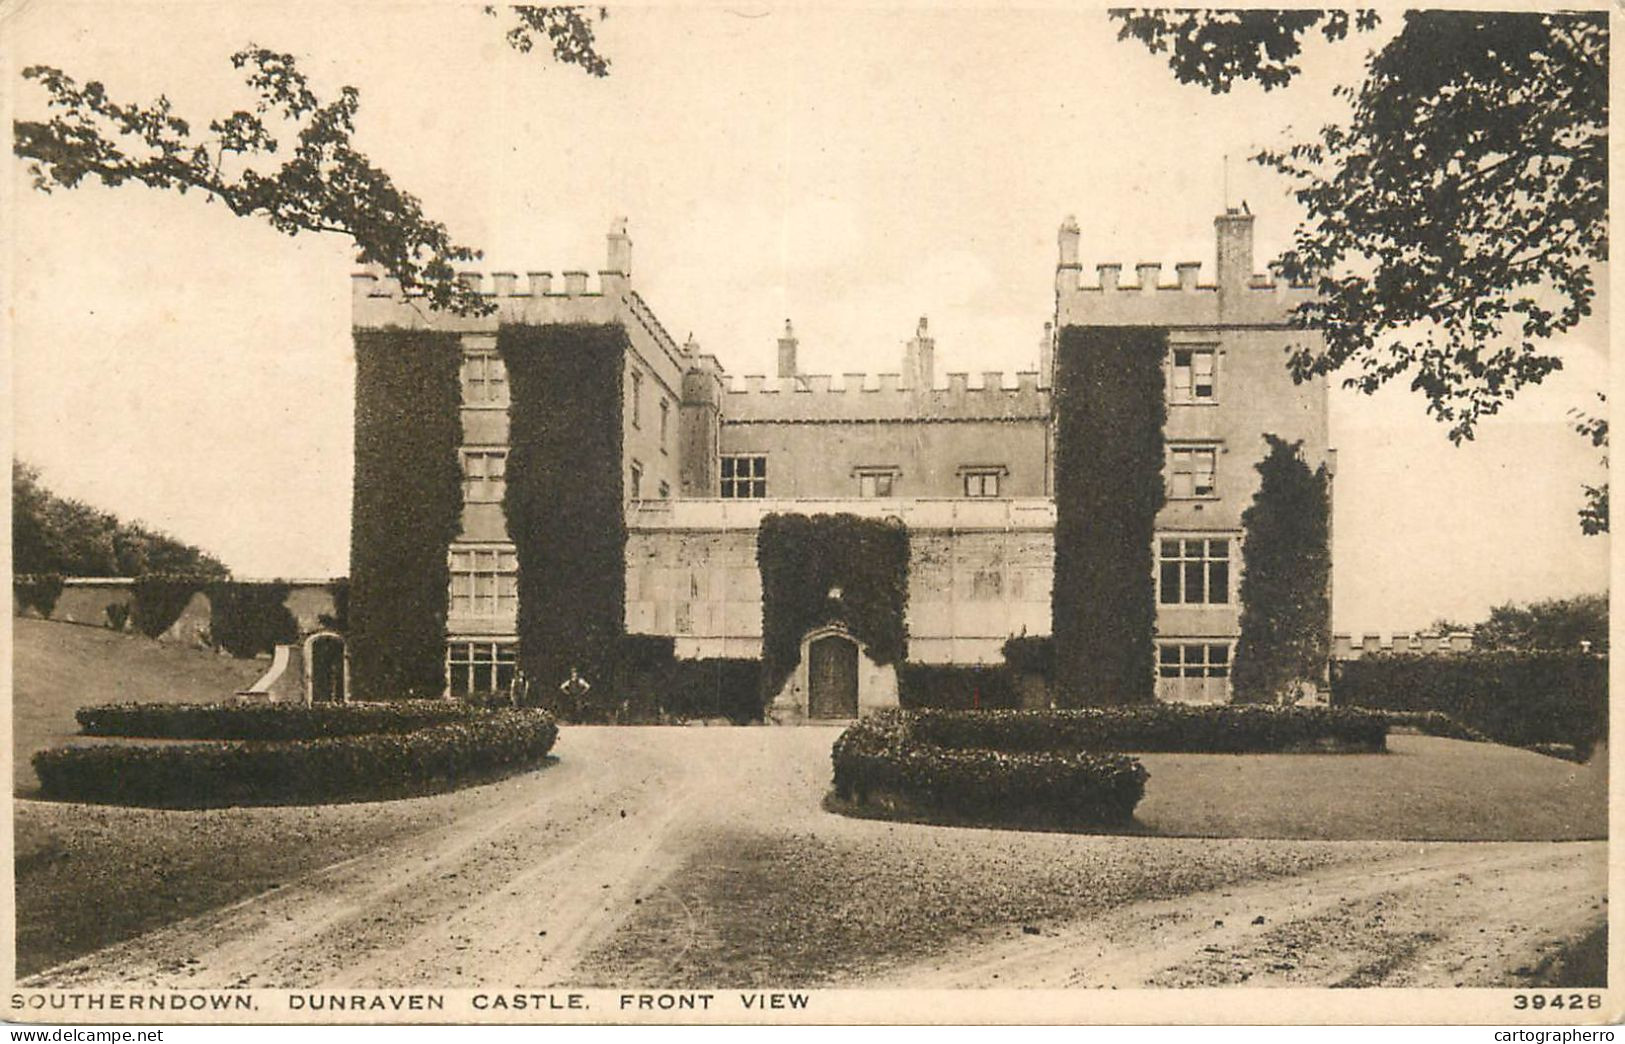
x: 485, y: 475
x: 1191, y: 471
x: 665, y: 423
x: 485, y: 380
x: 484, y: 582
x: 637, y: 399
x: 876, y: 482
x: 982, y: 482
x: 1194, y: 571
x: 744, y: 476
x: 635, y: 481
x: 1193, y: 375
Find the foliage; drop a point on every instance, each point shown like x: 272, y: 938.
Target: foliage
x: 1286, y: 606
x: 247, y: 619
x: 37, y: 591
x: 1594, y: 516
x: 1432, y: 723
x: 118, y: 615
x: 1554, y: 625
x: 339, y: 619
x: 656, y: 687
x: 1030, y: 654
x: 1109, y: 416
x: 52, y: 534
x: 1517, y: 698
x: 1454, y: 222
x: 564, y: 505
x: 942, y: 686
x: 158, y: 600
x: 1158, y: 727
x: 406, y: 510
x: 879, y: 758
x: 215, y: 773
x: 267, y: 721
x: 831, y: 569
x: 568, y: 29
x: 1216, y: 48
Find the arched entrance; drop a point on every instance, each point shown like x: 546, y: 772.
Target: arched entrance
x: 326, y: 672
x: 832, y: 677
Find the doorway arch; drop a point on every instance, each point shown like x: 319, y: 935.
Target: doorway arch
x: 832, y: 674
x: 327, y: 668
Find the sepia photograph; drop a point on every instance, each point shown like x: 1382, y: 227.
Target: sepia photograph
x: 757, y: 513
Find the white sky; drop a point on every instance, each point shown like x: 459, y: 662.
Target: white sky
x: 851, y: 170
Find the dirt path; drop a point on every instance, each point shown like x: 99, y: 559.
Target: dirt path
x: 555, y: 868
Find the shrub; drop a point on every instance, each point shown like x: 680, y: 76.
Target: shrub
x: 564, y: 419
x: 215, y: 773
x: 158, y: 600
x: 1163, y: 728
x: 267, y: 721
x: 1031, y: 654
x: 802, y: 558
x: 1109, y: 416
x: 878, y: 758
x: 118, y: 615
x: 37, y: 591
x: 656, y: 686
x: 1517, y: 698
x: 248, y: 619
x: 1285, y: 589
x: 406, y: 510
x: 955, y: 687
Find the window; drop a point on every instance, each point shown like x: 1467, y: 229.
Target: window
x: 876, y: 482
x: 481, y: 668
x: 485, y: 380
x: 1193, y: 375
x: 1194, y: 571
x: 1193, y: 672
x: 484, y: 475
x: 484, y: 582
x: 637, y: 399
x: 665, y: 423
x: 982, y: 482
x: 1191, y: 470
x: 635, y: 484
x: 744, y: 477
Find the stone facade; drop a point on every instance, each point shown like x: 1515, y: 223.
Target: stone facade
x: 965, y: 461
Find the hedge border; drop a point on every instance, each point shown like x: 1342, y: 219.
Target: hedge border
x: 266, y: 721
x: 211, y: 774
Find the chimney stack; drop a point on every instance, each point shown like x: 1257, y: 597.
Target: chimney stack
x: 1046, y: 355
x: 1234, y: 231
x: 1067, y: 268
x: 619, y: 255
x: 787, y: 351
x: 919, y: 358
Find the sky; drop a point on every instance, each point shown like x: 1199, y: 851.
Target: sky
x: 852, y: 170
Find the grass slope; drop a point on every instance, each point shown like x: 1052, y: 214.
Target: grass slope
x: 58, y: 668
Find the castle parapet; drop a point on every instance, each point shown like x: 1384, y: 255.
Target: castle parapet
x: 886, y: 396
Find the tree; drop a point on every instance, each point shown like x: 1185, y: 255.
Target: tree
x: 1552, y: 625
x: 1286, y: 609
x: 1453, y: 223
x: 1594, y: 515
x: 325, y: 184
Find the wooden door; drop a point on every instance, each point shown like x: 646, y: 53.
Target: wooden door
x: 832, y: 678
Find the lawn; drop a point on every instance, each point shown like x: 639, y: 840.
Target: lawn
x: 1423, y: 789
x: 58, y: 668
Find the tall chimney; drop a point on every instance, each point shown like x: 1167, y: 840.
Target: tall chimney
x: 1046, y: 355
x: 1067, y: 269
x: 919, y: 358
x: 1234, y: 231
x: 787, y: 351
x: 619, y: 254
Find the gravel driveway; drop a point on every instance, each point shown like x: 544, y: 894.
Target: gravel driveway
x: 696, y: 856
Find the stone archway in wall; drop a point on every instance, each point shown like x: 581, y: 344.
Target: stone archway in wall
x: 327, y: 668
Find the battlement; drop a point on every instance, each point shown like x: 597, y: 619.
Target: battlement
x: 1350, y: 647
x: 1235, y: 296
x: 814, y: 398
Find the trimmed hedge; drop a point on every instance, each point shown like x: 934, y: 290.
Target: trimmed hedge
x: 802, y: 558
x: 216, y: 773
x: 880, y: 759
x: 407, y: 505
x: 267, y: 721
x: 1158, y: 728
x: 38, y: 592
x: 1110, y: 411
x: 933, y: 686
x: 657, y: 687
x: 565, y: 504
x: 1517, y: 698
x: 247, y: 619
x: 1433, y: 723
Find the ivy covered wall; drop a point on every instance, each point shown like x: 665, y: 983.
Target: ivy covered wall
x: 1109, y: 413
x: 564, y: 503
x: 406, y: 508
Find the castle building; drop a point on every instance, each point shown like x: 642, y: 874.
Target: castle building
x: 966, y: 462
